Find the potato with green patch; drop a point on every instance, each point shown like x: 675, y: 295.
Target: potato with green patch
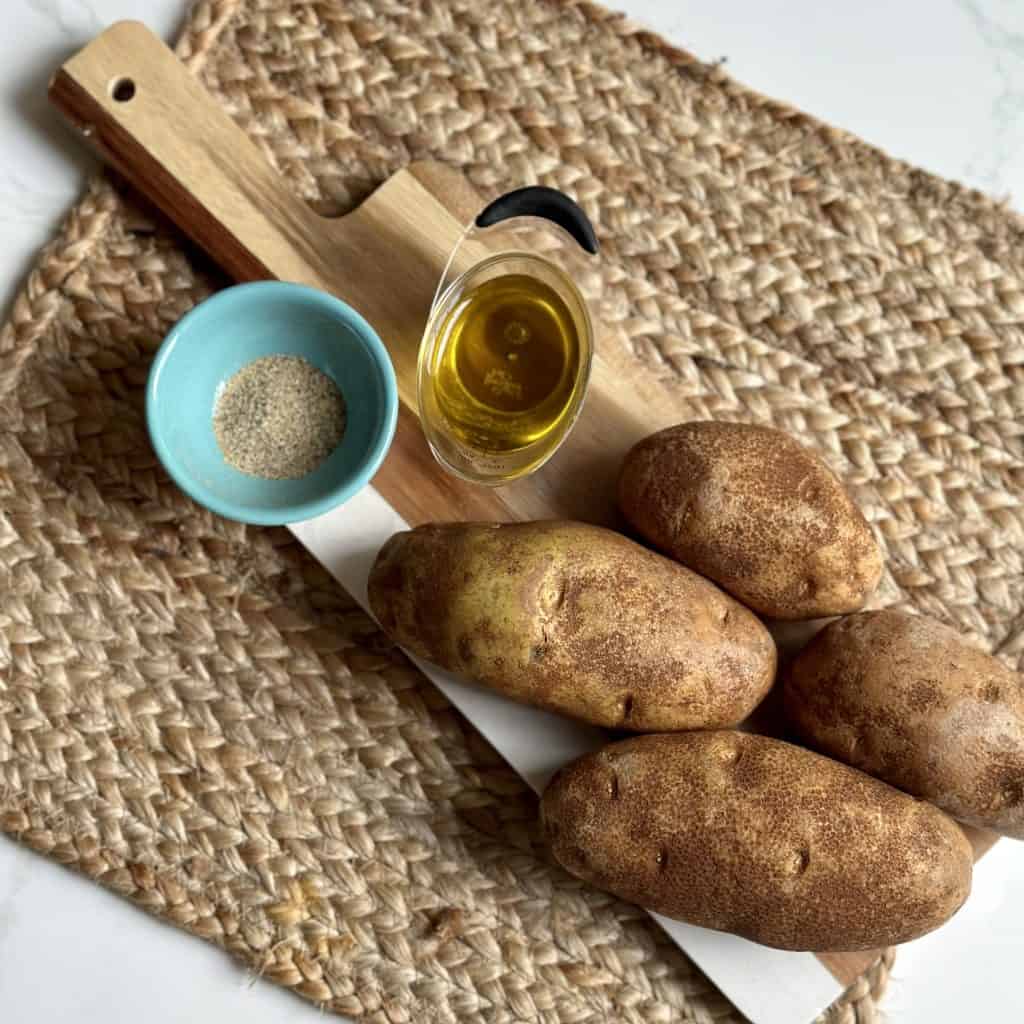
x: 755, y: 511
x: 576, y: 619
x: 907, y: 699
x: 753, y: 836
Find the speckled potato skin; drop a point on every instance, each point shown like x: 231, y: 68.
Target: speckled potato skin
x: 576, y: 619
x: 754, y: 836
x: 907, y: 699
x: 755, y: 511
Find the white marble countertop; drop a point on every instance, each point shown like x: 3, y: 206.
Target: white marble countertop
x: 938, y: 82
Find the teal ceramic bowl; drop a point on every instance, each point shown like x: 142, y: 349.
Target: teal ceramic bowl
x: 220, y: 336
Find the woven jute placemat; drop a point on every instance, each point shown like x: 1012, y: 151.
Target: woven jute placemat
x: 195, y: 716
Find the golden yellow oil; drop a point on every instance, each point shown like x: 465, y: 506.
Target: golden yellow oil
x: 507, y: 364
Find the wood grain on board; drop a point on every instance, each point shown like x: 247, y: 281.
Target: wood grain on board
x: 133, y: 99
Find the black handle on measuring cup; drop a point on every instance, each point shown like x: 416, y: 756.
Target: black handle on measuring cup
x: 541, y: 201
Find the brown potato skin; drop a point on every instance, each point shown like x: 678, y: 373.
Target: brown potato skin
x: 755, y: 511
x: 576, y: 619
x: 907, y: 699
x: 754, y: 836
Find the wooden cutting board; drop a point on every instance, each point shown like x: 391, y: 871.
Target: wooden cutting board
x: 128, y: 93
x: 183, y: 152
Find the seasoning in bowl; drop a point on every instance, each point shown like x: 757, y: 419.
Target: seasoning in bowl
x: 278, y: 418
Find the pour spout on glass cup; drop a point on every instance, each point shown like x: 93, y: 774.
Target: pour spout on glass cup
x: 505, y: 359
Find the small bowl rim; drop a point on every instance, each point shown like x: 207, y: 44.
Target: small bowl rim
x: 259, y: 515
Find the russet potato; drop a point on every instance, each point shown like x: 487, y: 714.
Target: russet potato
x: 907, y: 699
x: 576, y: 619
x: 754, y: 836
x: 754, y: 510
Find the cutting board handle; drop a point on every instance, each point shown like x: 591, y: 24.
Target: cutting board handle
x: 153, y: 120
x: 156, y: 123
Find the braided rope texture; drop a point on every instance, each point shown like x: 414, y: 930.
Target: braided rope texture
x: 193, y: 714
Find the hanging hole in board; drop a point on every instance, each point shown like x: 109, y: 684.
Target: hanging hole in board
x: 122, y: 89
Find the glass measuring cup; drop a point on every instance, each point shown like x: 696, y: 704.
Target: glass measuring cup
x: 506, y: 354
